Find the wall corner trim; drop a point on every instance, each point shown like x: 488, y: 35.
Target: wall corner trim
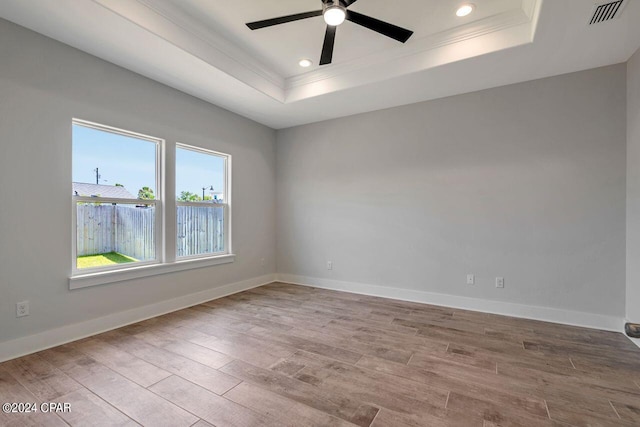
x: 68, y: 333
x: 546, y: 314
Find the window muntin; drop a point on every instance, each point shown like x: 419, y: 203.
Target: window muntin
x: 117, y: 214
x: 202, y: 202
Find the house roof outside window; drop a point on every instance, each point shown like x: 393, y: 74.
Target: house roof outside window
x: 96, y: 190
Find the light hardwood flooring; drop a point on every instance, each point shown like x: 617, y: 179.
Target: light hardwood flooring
x: 284, y: 355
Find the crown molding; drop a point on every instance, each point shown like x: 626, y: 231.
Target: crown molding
x: 168, y: 21
x: 460, y: 34
x: 531, y: 8
x: 170, y: 24
x: 414, y: 64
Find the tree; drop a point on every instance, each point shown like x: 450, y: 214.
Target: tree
x: 187, y: 196
x: 146, y: 193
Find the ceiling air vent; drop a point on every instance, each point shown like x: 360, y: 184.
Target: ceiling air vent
x: 606, y: 11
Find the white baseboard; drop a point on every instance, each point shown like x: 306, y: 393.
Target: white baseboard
x: 62, y: 335
x: 547, y: 314
x: 47, y: 339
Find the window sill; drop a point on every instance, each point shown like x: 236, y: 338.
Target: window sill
x: 104, y: 277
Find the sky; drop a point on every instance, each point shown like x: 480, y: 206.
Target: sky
x: 196, y: 170
x: 131, y: 162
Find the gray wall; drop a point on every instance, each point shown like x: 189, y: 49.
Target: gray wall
x: 43, y: 85
x: 524, y: 181
x: 633, y: 188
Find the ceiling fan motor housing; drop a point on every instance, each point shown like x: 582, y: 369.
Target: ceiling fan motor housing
x: 330, y: 4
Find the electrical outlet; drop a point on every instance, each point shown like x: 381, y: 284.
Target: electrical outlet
x: 329, y: 265
x: 22, y: 309
x: 499, y: 282
x: 263, y: 263
x: 471, y: 279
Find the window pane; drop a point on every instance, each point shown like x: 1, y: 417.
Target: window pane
x: 199, y: 176
x: 110, y: 234
x: 200, y: 230
x: 108, y: 164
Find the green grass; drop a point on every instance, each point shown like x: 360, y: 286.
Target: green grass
x: 102, y: 260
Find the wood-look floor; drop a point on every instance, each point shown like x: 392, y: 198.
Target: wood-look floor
x: 284, y: 355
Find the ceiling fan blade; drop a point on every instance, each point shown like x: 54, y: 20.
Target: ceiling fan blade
x: 384, y: 28
x: 283, y: 19
x: 327, y: 47
x: 347, y: 3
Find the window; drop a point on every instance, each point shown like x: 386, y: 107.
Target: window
x: 202, y: 202
x: 115, y: 195
x: 121, y: 221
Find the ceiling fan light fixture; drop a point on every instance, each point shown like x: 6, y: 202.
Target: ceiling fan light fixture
x: 465, y: 9
x: 335, y: 15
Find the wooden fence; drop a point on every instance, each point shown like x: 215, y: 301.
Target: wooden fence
x: 130, y: 231
x: 200, y: 230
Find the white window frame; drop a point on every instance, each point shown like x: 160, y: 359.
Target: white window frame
x: 157, y: 202
x: 166, y: 260
x: 226, y: 205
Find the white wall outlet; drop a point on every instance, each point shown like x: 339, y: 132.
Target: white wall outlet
x: 471, y: 279
x: 22, y: 308
x: 263, y: 263
x: 329, y: 265
x: 499, y: 282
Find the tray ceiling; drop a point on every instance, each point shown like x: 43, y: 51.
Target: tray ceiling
x: 267, y: 59
x: 204, y: 48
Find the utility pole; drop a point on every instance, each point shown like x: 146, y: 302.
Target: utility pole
x: 96, y: 170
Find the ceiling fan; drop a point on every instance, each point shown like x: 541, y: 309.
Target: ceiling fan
x: 335, y: 12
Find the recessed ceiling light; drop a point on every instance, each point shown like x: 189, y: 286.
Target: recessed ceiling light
x: 305, y: 63
x: 465, y: 9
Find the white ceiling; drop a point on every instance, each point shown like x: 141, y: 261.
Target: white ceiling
x: 282, y: 46
x: 203, y: 48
